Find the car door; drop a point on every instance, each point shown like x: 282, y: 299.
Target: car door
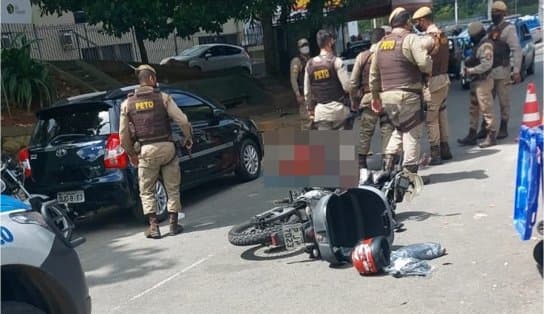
x: 216, y: 60
x: 234, y: 57
x: 213, y: 139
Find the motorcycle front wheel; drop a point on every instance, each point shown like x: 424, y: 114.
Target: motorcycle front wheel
x: 259, y: 229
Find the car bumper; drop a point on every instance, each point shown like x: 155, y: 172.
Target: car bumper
x: 116, y: 190
x: 64, y: 266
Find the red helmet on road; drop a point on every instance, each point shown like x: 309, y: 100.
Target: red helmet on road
x: 371, y: 255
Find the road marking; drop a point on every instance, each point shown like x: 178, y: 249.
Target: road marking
x: 203, y: 224
x: 162, y: 282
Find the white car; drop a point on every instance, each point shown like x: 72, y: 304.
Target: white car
x: 213, y: 57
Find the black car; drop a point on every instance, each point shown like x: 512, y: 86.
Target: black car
x: 75, y: 154
x: 349, y: 55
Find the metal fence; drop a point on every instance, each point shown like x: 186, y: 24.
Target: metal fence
x: 87, y: 42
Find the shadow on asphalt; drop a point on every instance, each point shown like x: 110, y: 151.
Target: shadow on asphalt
x: 419, y: 216
x: 123, y: 221
x: 263, y: 253
x: 457, y: 176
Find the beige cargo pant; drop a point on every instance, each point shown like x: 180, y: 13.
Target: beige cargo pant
x: 369, y: 119
x: 401, y: 106
x: 502, y: 89
x: 481, y: 100
x: 437, y: 117
x: 154, y: 160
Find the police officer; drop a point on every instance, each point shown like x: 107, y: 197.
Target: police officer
x: 396, y: 84
x: 149, y: 146
x: 506, y: 43
x: 326, y: 86
x: 360, y: 94
x: 479, y: 67
x: 437, y: 87
x: 298, y: 64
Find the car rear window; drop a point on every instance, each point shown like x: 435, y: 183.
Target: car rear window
x: 71, y: 123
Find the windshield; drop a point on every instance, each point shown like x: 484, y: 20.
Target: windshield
x: 70, y: 126
x: 193, y: 51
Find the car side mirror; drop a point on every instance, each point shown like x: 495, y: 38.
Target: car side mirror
x: 207, y: 55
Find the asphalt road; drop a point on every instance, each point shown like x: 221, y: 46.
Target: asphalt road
x: 467, y: 208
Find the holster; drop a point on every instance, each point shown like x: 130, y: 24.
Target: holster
x: 418, y: 117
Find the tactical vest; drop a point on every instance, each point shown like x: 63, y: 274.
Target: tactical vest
x: 395, y: 69
x: 325, y: 85
x: 147, y: 112
x: 441, y: 58
x: 501, y: 50
x: 475, y: 61
x: 300, y: 77
x: 365, y: 73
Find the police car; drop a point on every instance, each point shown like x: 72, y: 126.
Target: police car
x: 41, y: 271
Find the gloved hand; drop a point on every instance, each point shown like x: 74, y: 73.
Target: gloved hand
x: 188, y: 143
x: 516, y: 77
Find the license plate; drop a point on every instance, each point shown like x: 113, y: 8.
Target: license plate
x: 71, y: 197
x: 293, y: 236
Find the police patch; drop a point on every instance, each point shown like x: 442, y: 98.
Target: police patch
x: 387, y: 45
x: 321, y: 74
x: 144, y: 105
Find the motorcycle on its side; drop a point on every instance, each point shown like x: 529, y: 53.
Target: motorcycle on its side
x: 329, y: 222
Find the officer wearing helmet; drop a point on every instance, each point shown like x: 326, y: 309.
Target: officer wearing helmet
x: 506, y: 42
x: 145, y: 121
x: 396, y: 83
x: 326, y: 86
x: 298, y: 64
x: 478, y: 67
x: 437, y: 87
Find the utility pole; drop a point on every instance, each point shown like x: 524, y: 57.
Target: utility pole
x: 489, y: 4
x: 456, y: 13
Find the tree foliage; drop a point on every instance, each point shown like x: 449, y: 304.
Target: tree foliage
x: 22, y: 77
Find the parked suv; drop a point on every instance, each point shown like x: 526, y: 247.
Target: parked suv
x: 525, y: 40
x: 75, y: 154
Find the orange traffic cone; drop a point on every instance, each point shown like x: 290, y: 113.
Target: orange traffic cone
x: 531, y: 114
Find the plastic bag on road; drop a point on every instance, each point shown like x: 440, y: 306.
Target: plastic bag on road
x: 425, y: 251
x: 410, y: 260
x: 408, y: 266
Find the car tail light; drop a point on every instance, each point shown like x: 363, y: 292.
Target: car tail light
x: 24, y: 161
x: 115, y: 156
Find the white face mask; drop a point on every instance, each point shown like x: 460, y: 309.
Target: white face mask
x: 304, y: 50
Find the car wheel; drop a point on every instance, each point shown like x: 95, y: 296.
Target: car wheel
x: 531, y: 68
x: 15, y: 307
x: 249, y: 165
x: 162, y: 209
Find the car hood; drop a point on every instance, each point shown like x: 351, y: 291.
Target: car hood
x: 184, y: 59
x: 10, y: 204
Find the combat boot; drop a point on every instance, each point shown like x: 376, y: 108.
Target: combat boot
x: 470, y: 139
x: 153, y: 231
x: 490, y: 140
x: 435, y: 156
x: 413, y: 169
x: 445, y: 152
x: 483, y: 131
x: 503, y: 130
x: 175, y: 228
x: 362, y: 161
